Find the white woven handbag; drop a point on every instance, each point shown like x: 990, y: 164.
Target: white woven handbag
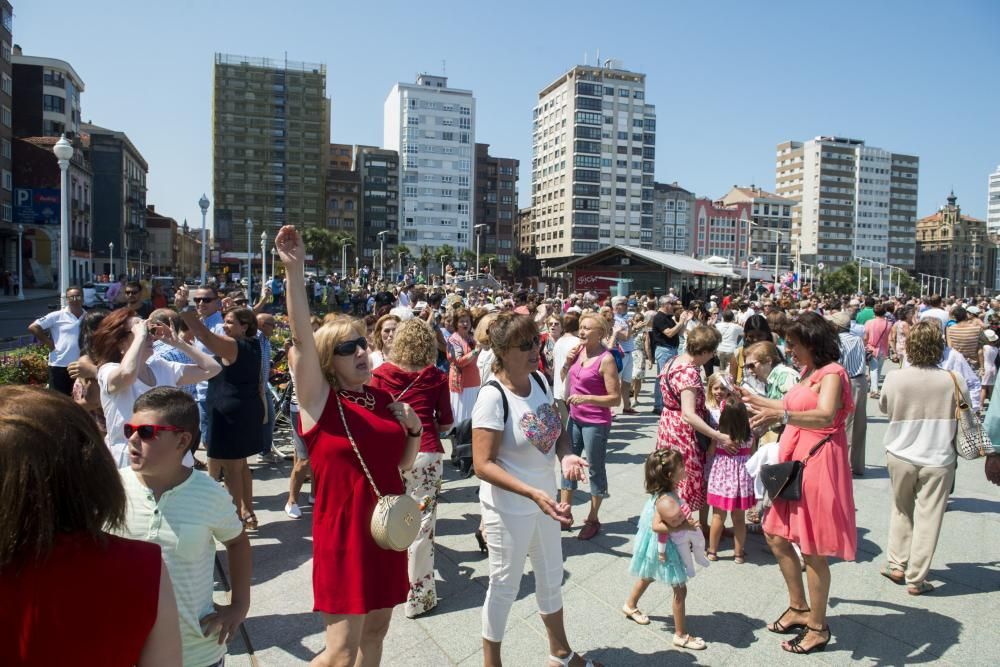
x: 971, y: 439
x: 396, y: 519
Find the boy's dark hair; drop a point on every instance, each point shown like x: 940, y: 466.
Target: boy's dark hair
x: 176, y: 408
x: 735, y: 422
x: 661, y: 465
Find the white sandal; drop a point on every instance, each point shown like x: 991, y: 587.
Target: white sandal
x: 568, y: 659
x: 635, y: 615
x: 689, y: 642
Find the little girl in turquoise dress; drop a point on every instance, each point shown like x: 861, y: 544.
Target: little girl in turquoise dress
x: 662, y: 513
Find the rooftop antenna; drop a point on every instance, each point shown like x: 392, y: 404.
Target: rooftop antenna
x: 598, y: 57
x: 584, y: 58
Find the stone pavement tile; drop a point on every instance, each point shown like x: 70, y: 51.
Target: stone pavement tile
x: 458, y: 634
x: 522, y: 645
x: 425, y: 654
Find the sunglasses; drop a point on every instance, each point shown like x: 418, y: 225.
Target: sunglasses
x: 750, y: 365
x: 240, y: 302
x: 528, y: 345
x: 131, y: 292
x: 203, y: 299
x: 149, y: 431
x: 350, y: 347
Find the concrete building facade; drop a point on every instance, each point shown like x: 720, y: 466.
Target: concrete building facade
x: 433, y: 128
x: 173, y: 249
x: 270, y: 138
x: 993, y: 214
x: 673, y: 207
x: 721, y: 230
x: 852, y: 201
x: 378, y: 172
x: 771, y: 231
x: 958, y: 248
x: 8, y: 239
x: 496, y: 204
x: 343, y: 194
x: 593, y: 160
x: 46, y: 96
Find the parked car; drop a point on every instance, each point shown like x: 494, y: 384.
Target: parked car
x: 95, y: 295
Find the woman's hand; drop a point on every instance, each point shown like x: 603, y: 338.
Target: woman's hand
x: 290, y: 246
x: 561, y: 512
x: 574, y: 468
x: 763, y: 418
x: 140, y: 329
x: 405, y: 415
x: 574, y: 353
x: 577, y: 399
x: 161, y: 332
x: 727, y: 443
x: 181, y: 298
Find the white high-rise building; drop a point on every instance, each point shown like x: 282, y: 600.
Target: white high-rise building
x: 853, y: 201
x: 593, y: 156
x: 433, y: 127
x: 993, y: 204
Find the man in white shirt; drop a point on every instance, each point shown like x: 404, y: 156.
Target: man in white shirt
x: 59, y: 331
x: 935, y: 310
x: 731, y: 335
x: 560, y: 352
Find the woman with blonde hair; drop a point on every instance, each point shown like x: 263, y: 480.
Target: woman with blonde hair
x: 343, y: 422
x: 484, y: 362
x: 409, y: 375
x: 382, y: 338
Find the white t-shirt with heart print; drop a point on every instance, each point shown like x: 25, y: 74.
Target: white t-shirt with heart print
x: 527, y: 447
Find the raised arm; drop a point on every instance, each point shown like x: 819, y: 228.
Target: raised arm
x: 311, y: 386
x: 133, y: 359
x: 204, y: 366
x: 222, y: 346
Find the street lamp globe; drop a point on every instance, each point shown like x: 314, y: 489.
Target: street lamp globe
x: 203, y: 204
x: 63, y: 149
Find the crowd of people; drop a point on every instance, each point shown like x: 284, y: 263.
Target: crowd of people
x: 138, y: 455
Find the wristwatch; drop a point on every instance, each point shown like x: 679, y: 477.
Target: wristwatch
x: 419, y: 432
x: 784, y: 419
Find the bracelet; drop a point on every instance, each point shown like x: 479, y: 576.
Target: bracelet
x: 417, y: 434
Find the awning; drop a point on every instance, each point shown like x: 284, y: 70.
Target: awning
x: 668, y: 260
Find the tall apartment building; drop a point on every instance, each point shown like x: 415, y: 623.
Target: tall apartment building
x: 496, y: 203
x: 721, y: 230
x: 771, y: 218
x: 853, y: 201
x: 433, y: 127
x: 672, y: 209
x: 378, y: 171
x: 993, y: 214
x: 270, y: 137
x: 8, y: 230
x: 343, y: 195
x: 593, y: 154
x: 46, y: 96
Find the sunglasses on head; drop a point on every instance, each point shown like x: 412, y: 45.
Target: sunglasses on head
x: 149, y: 431
x: 203, y: 299
x: 528, y: 345
x: 350, y: 347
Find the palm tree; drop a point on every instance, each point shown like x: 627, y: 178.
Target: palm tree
x: 403, y: 253
x: 425, y: 259
x: 513, y: 265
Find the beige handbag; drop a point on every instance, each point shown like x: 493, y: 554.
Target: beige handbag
x: 396, y: 519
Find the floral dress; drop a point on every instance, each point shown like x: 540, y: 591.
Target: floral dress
x: 674, y: 433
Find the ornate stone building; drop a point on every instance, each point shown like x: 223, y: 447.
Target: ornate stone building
x: 958, y: 249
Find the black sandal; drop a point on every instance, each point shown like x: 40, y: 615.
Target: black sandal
x: 795, y: 645
x: 779, y: 628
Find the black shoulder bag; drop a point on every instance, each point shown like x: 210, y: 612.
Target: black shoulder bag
x: 784, y: 480
x: 702, y: 440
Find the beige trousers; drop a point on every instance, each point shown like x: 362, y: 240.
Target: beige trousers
x: 423, y: 484
x: 920, y: 496
x: 857, y: 425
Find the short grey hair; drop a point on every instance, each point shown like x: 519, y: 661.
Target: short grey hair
x: 664, y: 300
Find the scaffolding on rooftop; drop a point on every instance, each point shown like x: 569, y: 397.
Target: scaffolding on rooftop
x: 269, y: 63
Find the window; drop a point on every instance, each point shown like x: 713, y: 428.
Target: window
x: 6, y: 84
x: 8, y: 180
x: 5, y: 148
x: 5, y: 115
x: 53, y: 103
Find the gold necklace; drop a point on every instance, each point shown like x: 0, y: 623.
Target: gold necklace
x: 364, y: 399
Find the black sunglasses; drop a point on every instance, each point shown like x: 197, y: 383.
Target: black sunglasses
x: 149, y: 431
x: 131, y: 292
x: 240, y: 302
x: 350, y: 347
x: 203, y: 299
x: 528, y: 345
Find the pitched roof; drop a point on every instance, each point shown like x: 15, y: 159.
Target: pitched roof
x: 939, y: 216
x: 668, y: 260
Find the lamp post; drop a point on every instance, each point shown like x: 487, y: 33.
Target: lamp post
x: 263, y: 258
x: 343, y: 259
x: 478, y: 231
x: 249, y: 226
x: 140, y: 264
x: 90, y: 255
x: 64, y: 152
x: 381, y: 254
x: 777, y: 262
x: 20, y: 262
x: 203, y: 204
x: 273, y: 272
x: 111, y: 260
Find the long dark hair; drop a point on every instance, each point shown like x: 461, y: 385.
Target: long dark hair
x: 661, y: 466
x: 817, y: 335
x: 756, y: 329
x: 735, y: 421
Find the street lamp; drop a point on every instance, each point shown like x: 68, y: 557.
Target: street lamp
x: 343, y: 259
x: 263, y: 257
x: 90, y: 254
x: 249, y: 226
x: 478, y: 236
x: 111, y: 260
x: 381, y: 254
x: 273, y: 272
x: 20, y: 262
x: 64, y: 151
x: 203, y: 203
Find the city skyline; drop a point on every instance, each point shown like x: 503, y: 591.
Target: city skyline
x: 717, y: 123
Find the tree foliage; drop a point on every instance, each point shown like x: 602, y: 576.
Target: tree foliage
x: 325, y: 246
x: 845, y: 280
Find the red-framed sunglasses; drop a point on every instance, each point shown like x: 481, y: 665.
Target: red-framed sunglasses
x: 149, y: 431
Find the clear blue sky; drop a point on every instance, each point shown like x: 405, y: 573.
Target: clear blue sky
x: 730, y: 79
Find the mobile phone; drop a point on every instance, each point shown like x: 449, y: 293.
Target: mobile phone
x: 727, y: 384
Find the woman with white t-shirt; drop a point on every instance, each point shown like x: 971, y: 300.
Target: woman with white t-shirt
x: 123, y: 349
x: 516, y: 434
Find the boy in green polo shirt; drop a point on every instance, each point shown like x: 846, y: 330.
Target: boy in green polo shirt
x: 185, y: 512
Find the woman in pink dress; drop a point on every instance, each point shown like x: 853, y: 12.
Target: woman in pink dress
x: 822, y: 522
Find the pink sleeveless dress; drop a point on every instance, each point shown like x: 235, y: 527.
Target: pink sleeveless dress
x: 822, y: 522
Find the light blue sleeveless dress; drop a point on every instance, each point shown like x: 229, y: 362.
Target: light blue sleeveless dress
x: 645, y: 559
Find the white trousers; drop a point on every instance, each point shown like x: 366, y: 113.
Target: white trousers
x: 423, y: 484
x: 511, y: 540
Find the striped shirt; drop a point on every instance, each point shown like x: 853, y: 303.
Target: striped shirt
x: 185, y: 522
x: 852, y: 354
x: 169, y: 353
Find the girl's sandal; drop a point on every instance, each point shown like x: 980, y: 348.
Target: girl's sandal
x: 690, y: 643
x: 897, y: 578
x: 635, y: 615
x: 740, y: 558
x: 249, y: 522
x: 712, y: 556
x: 919, y: 588
x: 780, y: 628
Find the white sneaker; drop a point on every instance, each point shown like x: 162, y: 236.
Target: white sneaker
x: 312, y: 499
x: 292, y: 510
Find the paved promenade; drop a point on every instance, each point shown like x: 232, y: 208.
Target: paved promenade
x: 873, y: 621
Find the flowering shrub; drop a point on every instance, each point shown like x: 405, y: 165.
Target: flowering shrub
x: 26, y: 365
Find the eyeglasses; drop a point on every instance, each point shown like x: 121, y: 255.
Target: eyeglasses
x: 149, y: 431
x: 74, y: 297
x: 131, y: 292
x: 350, y: 347
x: 203, y: 299
x: 750, y: 365
x: 240, y: 302
x: 528, y: 345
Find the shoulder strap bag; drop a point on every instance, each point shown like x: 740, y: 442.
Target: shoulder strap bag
x: 396, y: 519
x: 971, y: 440
x: 784, y: 480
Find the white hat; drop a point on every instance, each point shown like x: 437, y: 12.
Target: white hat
x: 974, y: 310
x: 990, y: 335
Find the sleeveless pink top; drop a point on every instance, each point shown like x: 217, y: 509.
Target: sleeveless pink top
x: 588, y: 381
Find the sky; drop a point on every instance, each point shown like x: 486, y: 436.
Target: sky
x: 730, y: 79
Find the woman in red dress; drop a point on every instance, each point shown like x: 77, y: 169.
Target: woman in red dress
x: 356, y: 583
x: 822, y: 522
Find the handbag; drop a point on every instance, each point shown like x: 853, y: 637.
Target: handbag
x: 396, y: 519
x: 702, y: 440
x: 784, y: 480
x: 971, y: 439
